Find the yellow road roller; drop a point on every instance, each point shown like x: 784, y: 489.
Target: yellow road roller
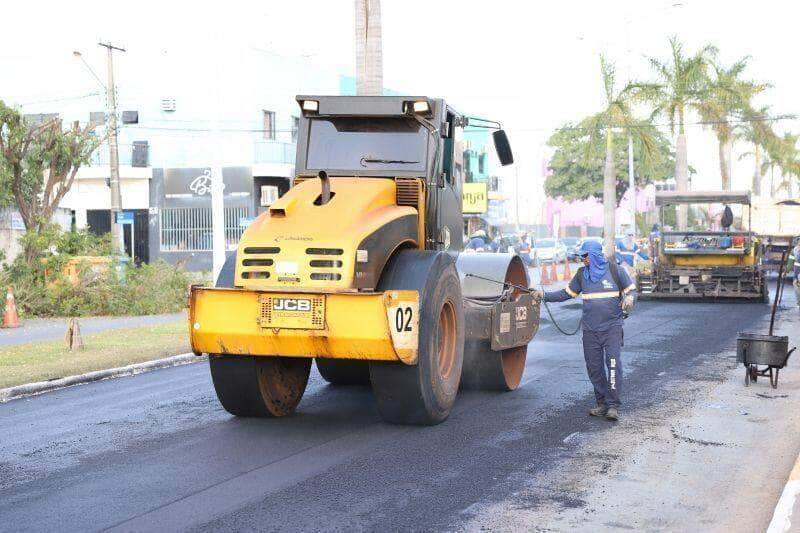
x: 358, y: 267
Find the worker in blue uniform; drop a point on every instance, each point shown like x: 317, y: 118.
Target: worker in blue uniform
x: 607, y: 292
x: 626, y: 250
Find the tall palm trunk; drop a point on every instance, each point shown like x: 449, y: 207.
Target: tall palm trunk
x: 757, y: 171
x: 609, y: 195
x: 369, y: 54
x: 723, y: 149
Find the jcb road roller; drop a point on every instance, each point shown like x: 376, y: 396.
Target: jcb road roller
x: 358, y: 267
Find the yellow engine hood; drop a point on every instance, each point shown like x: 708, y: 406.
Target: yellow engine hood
x: 299, y: 246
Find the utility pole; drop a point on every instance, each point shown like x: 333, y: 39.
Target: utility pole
x: 113, y: 153
x: 631, y: 184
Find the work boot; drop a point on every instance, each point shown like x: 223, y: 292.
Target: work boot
x: 600, y: 410
x: 612, y: 414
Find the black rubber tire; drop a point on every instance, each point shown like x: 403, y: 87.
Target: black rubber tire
x: 343, y: 371
x: 423, y: 394
x: 256, y: 386
x: 259, y: 386
x: 226, y: 276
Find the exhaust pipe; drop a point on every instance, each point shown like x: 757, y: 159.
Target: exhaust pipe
x: 325, y: 195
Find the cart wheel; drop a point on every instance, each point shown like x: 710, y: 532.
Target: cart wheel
x: 746, y: 376
x: 774, y: 382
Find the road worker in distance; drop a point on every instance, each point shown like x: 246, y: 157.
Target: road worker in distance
x: 608, y: 296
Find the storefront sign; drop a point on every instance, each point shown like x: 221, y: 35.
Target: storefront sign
x: 193, y: 182
x: 475, y: 198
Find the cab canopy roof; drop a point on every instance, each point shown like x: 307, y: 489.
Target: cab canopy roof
x: 376, y: 106
x: 702, y: 197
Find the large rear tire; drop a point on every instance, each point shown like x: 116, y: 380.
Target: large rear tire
x: 256, y: 386
x: 343, y: 371
x: 424, y: 393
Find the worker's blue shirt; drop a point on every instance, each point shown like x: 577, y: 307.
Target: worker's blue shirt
x: 601, y: 306
x: 623, y: 254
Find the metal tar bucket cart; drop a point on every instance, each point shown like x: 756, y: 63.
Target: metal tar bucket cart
x: 771, y: 351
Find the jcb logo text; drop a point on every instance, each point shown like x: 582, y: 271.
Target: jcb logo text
x: 291, y: 304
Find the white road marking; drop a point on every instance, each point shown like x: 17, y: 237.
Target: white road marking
x: 781, y: 518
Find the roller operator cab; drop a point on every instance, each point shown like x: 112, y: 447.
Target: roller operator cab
x: 358, y: 267
x: 716, y: 256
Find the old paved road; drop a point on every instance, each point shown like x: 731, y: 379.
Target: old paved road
x: 156, y: 451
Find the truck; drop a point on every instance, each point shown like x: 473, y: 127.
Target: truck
x: 358, y: 268
x: 705, y: 261
x: 777, y: 224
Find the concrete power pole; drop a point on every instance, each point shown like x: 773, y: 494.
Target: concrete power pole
x: 369, y: 51
x: 631, y: 184
x: 113, y: 153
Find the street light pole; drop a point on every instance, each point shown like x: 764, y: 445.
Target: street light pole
x: 113, y: 153
x: 631, y: 185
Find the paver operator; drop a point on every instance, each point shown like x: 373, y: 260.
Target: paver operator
x: 607, y: 292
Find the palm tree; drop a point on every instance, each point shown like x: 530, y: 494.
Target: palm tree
x: 678, y: 88
x: 757, y: 131
x: 616, y: 116
x: 783, y: 154
x: 369, y: 54
x: 726, y: 96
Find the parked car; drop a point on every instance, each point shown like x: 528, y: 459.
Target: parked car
x: 548, y: 251
x: 572, y: 244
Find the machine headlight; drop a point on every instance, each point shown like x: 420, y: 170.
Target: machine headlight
x: 312, y: 106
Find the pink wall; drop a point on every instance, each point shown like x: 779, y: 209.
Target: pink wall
x: 590, y: 212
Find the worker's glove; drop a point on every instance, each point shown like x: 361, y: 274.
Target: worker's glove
x: 538, y: 296
x: 627, y: 303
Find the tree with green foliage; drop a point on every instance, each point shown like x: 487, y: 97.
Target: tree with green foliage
x: 782, y: 153
x: 678, y: 88
x: 725, y: 101
x: 38, y: 164
x: 616, y: 119
x: 577, y: 177
x: 756, y: 130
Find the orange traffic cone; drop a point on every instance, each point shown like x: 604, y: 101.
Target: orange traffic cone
x: 544, y: 275
x: 10, y: 317
x: 567, y: 272
x: 553, y: 271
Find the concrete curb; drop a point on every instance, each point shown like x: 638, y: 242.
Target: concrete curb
x: 31, y: 389
x: 781, y: 518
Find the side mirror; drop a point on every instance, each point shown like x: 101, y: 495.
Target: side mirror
x: 502, y: 147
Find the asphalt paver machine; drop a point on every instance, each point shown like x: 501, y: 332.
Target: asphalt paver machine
x: 701, y: 263
x: 358, y: 267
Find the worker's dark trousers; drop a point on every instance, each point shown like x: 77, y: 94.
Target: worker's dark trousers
x: 601, y: 350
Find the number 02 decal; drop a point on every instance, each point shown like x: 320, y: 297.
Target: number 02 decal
x: 403, y: 322
x: 402, y: 319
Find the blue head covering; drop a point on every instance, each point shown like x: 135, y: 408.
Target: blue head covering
x: 597, y: 261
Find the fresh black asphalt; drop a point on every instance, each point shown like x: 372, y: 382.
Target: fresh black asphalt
x: 157, y: 452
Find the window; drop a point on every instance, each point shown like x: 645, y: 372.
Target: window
x: 365, y: 144
x: 269, y: 124
x: 295, y: 128
x: 186, y: 229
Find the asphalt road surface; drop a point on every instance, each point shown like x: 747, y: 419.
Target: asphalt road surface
x: 695, y: 448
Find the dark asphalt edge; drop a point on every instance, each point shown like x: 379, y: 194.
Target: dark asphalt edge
x: 40, y: 387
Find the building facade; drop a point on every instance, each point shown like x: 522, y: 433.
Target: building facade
x: 179, y: 116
